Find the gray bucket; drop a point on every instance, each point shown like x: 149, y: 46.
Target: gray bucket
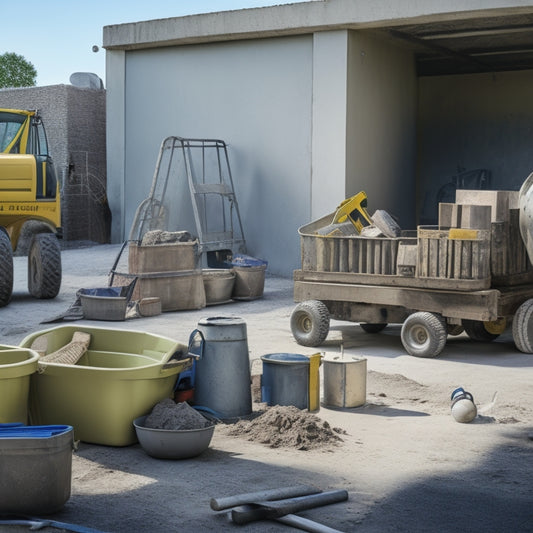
x: 222, y: 379
x: 285, y: 379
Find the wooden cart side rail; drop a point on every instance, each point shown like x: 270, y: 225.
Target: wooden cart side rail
x: 475, y: 305
x: 512, y: 297
x: 392, y: 281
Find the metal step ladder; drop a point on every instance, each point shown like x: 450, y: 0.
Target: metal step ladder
x: 203, y: 164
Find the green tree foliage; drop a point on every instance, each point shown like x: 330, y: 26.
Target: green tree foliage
x: 16, y: 71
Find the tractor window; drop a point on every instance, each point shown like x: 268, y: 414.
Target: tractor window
x: 41, y: 142
x: 37, y: 144
x: 10, y: 125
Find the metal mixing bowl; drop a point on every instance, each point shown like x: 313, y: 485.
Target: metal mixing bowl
x: 173, y: 444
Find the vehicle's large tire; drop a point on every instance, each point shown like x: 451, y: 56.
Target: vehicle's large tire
x: 477, y: 331
x: 523, y: 327
x: 310, y: 323
x: 44, y: 266
x: 368, y: 327
x: 424, y: 334
x: 6, y: 269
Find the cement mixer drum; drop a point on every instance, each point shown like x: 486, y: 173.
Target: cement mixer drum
x: 525, y: 200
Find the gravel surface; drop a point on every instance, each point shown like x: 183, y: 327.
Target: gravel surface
x: 407, y: 465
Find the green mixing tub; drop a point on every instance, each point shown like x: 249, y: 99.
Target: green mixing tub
x: 16, y: 367
x: 122, y: 376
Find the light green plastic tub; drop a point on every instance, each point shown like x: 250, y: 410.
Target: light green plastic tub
x: 122, y: 376
x: 16, y: 367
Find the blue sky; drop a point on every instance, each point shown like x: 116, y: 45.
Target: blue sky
x: 57, y: 36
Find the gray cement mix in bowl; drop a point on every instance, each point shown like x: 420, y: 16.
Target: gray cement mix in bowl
x: 175, y: 416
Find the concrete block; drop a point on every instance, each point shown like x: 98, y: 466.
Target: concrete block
x: 474, y: 216
x: 499, y: 201
x: 448, y: 215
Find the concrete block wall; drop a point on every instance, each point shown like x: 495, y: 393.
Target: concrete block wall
x: 75, y: 123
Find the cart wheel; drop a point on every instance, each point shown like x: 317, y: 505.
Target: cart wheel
x: 372, y: 328
x: 454, y: 329
x: 523, y: 327
x: 484, y: 331
x: 424, y: 334
x: 310, y: 323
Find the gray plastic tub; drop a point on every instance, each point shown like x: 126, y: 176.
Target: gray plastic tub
x: 36, y: 473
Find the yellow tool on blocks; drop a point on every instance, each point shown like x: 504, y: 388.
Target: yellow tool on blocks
x: 350, y: 214
x: 353, y: 209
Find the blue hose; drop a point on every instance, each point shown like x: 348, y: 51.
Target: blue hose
x: 207, y: 410
x: 39, y: 523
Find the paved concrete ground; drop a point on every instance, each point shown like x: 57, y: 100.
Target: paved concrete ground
x: 406, y: 464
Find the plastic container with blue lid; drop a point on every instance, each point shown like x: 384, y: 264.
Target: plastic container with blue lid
x: 249, y: 277
x: 243, y: 260
x: 36, y: 466
x: 20, y: 431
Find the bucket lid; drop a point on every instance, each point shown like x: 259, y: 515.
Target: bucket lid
x: 220, y: 321
x: 285, y: 358
x: 344, y: 359
x: 20, y: 431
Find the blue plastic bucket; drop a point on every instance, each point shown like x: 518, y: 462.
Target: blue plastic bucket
x: 285, y: 379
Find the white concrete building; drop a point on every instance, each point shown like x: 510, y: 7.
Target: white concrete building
x: 320, y: 100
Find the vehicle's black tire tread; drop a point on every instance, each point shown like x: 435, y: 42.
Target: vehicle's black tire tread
x: 44, y: 266
x: 6, y: 269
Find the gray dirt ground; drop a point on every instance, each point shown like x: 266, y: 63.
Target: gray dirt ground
x: 405, y: 462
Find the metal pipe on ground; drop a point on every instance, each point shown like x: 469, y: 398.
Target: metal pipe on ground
x: 271, y: 510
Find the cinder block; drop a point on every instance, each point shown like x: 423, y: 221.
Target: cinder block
x: 464, y: 216
x: 407, y: 259
x: 448, y: 215
x: 474, y: 216
x: 499, y: 201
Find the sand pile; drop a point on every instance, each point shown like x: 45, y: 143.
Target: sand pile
x: 287, y: 427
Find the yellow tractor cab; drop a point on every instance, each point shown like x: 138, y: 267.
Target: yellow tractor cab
x: 30, y: 204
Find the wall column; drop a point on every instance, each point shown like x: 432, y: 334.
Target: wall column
x: 116, y: 140
x: 329, y: 114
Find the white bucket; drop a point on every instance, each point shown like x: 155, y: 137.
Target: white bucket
x: 344, y: 381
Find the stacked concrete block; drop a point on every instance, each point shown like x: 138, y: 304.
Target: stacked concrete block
x: 498, y: 212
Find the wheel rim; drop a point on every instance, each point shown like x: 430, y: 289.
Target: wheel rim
x: 305, y: 323
x: 419, y: 335
x: 496, y: 327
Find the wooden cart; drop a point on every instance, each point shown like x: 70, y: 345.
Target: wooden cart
x: 470, y: 273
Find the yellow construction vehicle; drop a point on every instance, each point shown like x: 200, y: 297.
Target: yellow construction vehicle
x: 30, y: 206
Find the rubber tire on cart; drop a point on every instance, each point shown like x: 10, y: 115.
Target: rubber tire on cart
x: 523, y: 327
x: 44, y: 266
x: 6, y: 269
x: 424, y: 334
x: 310, y: 323
x: 368, y: 327
x: 477, y: 331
